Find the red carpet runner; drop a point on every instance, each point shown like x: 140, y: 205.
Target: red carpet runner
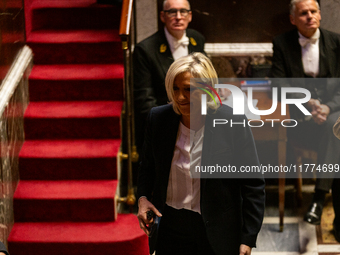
x: 64, y: 203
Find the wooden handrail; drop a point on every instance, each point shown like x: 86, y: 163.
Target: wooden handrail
x: 129, y: 152
x: 125, y: 19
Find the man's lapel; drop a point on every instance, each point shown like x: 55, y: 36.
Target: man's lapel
x: 164, y: 55
x: 192, y: 47
x: 296, y: 63
x: 323, y: 60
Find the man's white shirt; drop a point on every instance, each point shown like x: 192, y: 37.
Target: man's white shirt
x: 179, y: 48
x: 310, y: 53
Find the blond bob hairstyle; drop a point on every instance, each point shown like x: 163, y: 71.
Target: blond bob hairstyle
x: 199, y: 66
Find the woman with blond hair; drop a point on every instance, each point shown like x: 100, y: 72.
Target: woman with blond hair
x: 198, y: 213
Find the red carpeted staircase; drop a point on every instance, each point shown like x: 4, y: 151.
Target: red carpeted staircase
x: 65, y: 200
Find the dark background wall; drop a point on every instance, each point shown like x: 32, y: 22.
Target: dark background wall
x: 12, y: 35
x: 239, y: 21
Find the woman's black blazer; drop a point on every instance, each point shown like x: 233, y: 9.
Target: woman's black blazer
x: 232, y: 208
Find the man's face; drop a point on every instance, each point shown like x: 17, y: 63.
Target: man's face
x: 179, y: 22
x: 306, y: 17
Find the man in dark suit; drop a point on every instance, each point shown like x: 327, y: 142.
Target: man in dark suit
x: 312, y: 52
x: 153, y: 56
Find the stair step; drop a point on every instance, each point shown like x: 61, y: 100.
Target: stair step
x: 69, y: 159
x: 62, y: 3
x: 70, y: 46
x: 122, y: 236
x: 77, y: 72
x: 74, y: 36
x: 73, y: 120
x: 65, y: 200
x: 76, y: 82
x: 94, y: 16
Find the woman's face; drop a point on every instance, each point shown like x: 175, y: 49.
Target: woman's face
x: 183, y: 91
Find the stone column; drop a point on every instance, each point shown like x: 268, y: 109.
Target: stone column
x: 147, y: 18
x: 330, y: 18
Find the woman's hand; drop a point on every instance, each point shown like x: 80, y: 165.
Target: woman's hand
x: 245, y: 250
x: 143, y: 207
